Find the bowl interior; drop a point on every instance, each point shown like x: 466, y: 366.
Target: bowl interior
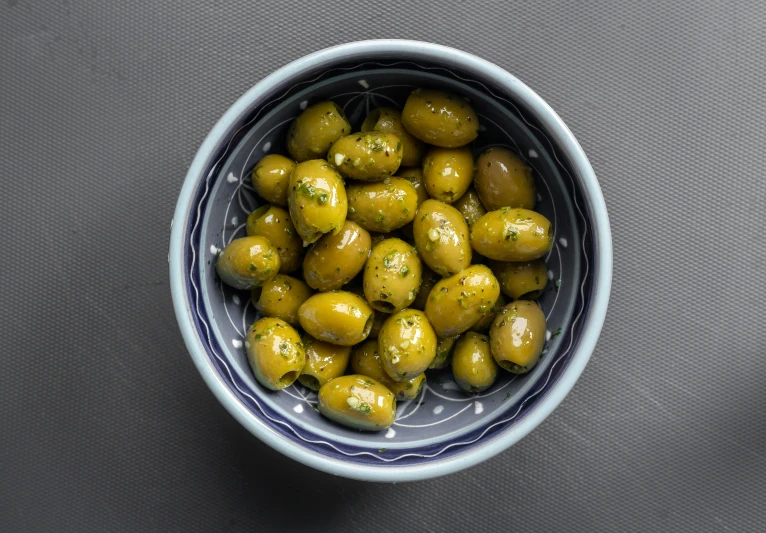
x: 443, y: 416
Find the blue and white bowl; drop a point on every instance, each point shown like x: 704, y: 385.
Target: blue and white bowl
x: 444, y: 430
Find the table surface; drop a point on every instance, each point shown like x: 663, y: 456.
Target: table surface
x: 105, y: 424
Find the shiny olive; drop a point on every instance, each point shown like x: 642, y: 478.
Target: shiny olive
x: 366, y: 361
x: 248, y: 262
x: 458, y: 302
x: 415, y: 176
x: 383, y: 206
x: 358, y: 402
x: 447, y: 173
x: 324, y: 361
x: 517, y: 336
x: 392, y: 276
x: 441, y: 237
x: 482, y: 326
x: 338, y: 317
x: 369, y: 156
x: 525, y: 280
x: 512, y: 235
x: 316, y: 128
x: 271, y: 178
x: 470, y: 207
x: 334, y: 260
x: 444, y: 352
x: 440, y: 118
x: 275, y: 224
x: 281, y: 297
x: 389, y: 120
x: 406, y: 344
x: 275, y: 353
x: 502, y: 179
x: 430, y: 278
x: 317, y: 200
x: 473, y: 367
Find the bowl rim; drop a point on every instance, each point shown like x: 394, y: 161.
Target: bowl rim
x: 555, y: 128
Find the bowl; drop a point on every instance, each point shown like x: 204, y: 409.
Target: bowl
x: 444, y: 429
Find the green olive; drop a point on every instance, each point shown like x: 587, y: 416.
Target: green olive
x: 470, y: 207
x: 512, y: 235
x: 521, y: 281
x: 415, y: 176
x: 369, y: 156
x: 248, y: 262
x: 441, y: 237
x: 440, y: 118
x: 458, y: 302
x: 502, y: 179
x: 517, y: 336
x: 406, y: 344
x: 271, y: 178
x: 281, y: 297
x: 389, y: 120
x: 366, y: 361
x: 358, y: 402
x: 447, y: 173
x: 334, y: 260
x: 392, y: 276
x: 317, y: 200
x: 482, y: 326
x: 324, y: 361
x: 316, y: 128
x: 275, y: 353
x: 444, y: 352
x: 275, y: 224
x: 473, y: 367
x: 337, y: 317
x: 383, y: 206
x: 430, y: 278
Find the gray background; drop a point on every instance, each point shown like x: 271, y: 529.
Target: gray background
x: 105, y: 424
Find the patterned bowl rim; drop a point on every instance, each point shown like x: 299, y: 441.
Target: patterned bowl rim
x: 558, y: 133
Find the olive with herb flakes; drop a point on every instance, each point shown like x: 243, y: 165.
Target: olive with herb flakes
x: 441, y: 237
x: 458, y: 302
x: 383, y: 206
x: 502, y: 179
x: 470, y: 207
x: 389, y: 120
x: 366, y: 362
x: 447, y: 173
x: 317, y: 200
x: 370, y: 156
x: 521, y: 281
x: 271, y: 178
x: 282, y: 296
x: 324, y: 361
x: 406, y: 344
x: 482, y: 326
x: 335, y: 260
x: 275, y: 224
x: 473, y: 367
x: 444, y: 348
x: 248, y: 262
x: 415, y: 176
x: 517, y: 336
x: 275, y: 353
x: 312, y: 133
x: 512, y: 235
x: 392, y: 276
x: 440, y: 118
x: 358, y: 402
x: 337, y: 317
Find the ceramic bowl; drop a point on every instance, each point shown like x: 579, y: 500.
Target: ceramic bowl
x: 444, y: 429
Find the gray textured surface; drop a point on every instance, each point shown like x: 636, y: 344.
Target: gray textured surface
x: 105, y: 424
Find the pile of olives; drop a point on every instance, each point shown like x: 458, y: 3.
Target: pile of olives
x: 392, y: 251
